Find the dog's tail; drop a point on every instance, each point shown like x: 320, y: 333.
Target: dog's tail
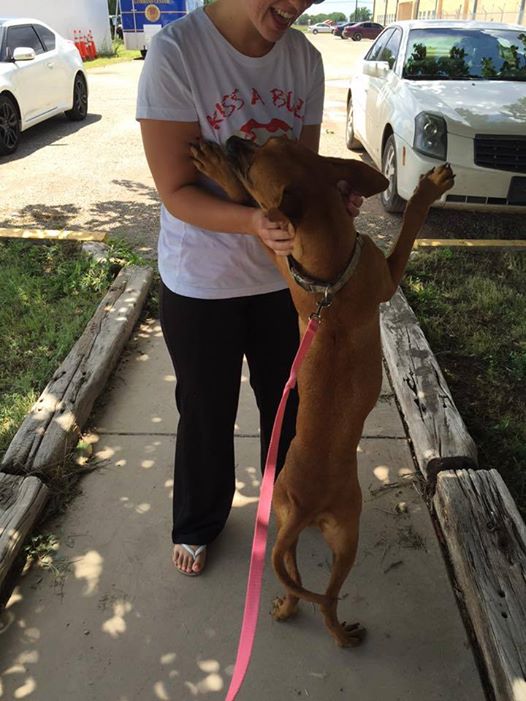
x: 285, y: 540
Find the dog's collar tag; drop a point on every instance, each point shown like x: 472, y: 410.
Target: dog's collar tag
x: 328, y: 289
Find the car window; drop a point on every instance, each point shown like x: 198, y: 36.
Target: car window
x: 23, y: 35
x: 390, y: 52
x: 465, y: 54
x: 379, y: 45
x: 47, y: 37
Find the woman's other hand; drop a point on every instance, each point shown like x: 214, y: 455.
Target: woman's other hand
x: 352, y: 200
x: 278, y: 236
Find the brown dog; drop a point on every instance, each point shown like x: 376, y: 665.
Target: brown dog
x: 339, y: 382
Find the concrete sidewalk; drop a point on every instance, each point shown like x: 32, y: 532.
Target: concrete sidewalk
x: 115, y: 622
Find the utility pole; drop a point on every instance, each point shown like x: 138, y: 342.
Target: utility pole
x: 356, y: 12
x: 521, y: 12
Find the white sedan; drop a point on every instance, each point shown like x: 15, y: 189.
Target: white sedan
x: 321, y: 28
x: 41, y: 75
x: 433, y: 91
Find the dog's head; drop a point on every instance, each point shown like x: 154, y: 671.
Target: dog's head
x: 284, y: 177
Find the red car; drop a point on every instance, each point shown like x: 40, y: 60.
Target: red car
x: 362, y: 30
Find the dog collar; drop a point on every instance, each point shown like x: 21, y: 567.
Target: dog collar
x: 329, y: 289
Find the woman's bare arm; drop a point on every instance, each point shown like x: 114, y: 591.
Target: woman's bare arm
x: 167, y: 149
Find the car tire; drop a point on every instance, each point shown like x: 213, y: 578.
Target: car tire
x: 351, y: 141
x: 79, y: 110
x: 343, y: 36
x: 391, y: 200
x: 357, y: 37
x: 314, y: 31
x: 9, y: 125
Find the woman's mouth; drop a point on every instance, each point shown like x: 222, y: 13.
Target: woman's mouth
x: 282, y: 19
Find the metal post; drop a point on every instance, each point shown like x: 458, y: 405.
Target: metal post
x: 134, y: 24
x: 520, y: 16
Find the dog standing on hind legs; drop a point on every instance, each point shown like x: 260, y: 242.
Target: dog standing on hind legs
x: 340, y: 379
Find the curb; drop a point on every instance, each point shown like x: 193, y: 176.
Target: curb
x: 481, y: 527
x: 53, y: 426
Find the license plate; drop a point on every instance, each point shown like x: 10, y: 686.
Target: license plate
x: 517, y: 191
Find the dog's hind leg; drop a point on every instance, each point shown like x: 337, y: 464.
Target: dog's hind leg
x: 344, y: 544
x: 285, y: 564
x: 285, y: 607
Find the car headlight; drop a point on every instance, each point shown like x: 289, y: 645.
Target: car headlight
x: 430, y: 135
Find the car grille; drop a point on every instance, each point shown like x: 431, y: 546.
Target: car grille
x: 501, y: 152
x: 476, y: 199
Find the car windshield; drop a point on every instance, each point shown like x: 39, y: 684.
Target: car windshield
x: 465, y: 54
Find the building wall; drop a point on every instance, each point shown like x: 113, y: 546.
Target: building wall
x: 64, y: 16
x: 508, y: 11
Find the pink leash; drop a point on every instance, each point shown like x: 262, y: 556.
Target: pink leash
x: 259, y: 544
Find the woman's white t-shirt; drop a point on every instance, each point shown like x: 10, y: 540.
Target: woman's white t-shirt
x: 192, y: 74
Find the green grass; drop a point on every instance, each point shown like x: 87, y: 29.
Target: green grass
x: 472, y: 308
x: 120, y: 54
x: 48, y: 292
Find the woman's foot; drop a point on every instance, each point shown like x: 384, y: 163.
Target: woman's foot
x: 189, y: 559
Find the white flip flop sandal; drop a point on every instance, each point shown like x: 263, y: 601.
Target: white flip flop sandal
x: 194, y: 553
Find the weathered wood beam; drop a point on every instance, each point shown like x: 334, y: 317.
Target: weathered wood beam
x: 439, y: 435
x: 22, y: 500
x: 52, y: 234
x: 486, y: 539
x: 52, y: 427
x: 475, y: 244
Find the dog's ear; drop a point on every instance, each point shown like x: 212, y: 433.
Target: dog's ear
x: 290, y: 209
x: 364, y: 179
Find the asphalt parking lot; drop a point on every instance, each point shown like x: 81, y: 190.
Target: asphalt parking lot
x: 93, y: 175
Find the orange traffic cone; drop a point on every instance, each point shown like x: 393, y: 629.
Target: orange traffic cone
x: 92, y: 49
x: 82, y: 46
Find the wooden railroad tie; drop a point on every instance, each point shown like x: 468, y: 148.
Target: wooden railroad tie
x: 52, y: 234
x: 475, y: 244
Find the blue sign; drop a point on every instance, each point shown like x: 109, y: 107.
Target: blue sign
x: 136, y: 14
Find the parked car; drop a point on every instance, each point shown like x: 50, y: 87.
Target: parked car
x: 41, y: 75
x: 338, y: 29
x: 320, y: 27
x: 362, y: 30
x: 432, y: 91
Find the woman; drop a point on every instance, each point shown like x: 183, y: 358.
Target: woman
x: 232, y: 67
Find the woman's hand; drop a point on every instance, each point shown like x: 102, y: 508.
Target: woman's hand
x: 278, y: 236
x: 351, y: 200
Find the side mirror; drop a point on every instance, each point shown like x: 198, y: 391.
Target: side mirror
x: 24, y: 53
x: 376, y: 69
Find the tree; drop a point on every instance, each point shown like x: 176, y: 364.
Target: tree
x: 361, y: 14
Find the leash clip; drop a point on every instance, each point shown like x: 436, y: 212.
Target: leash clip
x: 325, y: 301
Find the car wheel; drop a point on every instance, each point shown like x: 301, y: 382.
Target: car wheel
x: 343, y: 37
x: 357, y: 36
x: 9, y: 125
x: 390, y: 198
x: 80, y: 100
x: 352, y: 142
x: 314, y: 31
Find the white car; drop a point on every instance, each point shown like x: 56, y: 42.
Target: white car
x: 41, y: 75
x: 321, y: 28
x: 432, y: 91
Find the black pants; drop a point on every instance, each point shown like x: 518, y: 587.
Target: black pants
x: 207, y: 340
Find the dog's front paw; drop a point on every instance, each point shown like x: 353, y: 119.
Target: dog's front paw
x: 433, y: 184
x: 209, y: 158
